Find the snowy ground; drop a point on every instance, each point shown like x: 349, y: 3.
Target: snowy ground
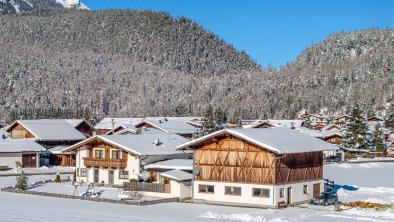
x: 374, y: 182
x: 41, y: 170
x: 11, y: 180
x: 68, y: 188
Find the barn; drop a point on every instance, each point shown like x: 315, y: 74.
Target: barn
x: 265, y: 167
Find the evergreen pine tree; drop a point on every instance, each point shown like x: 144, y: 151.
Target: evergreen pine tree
x: 356, y: 134
x: 378, y: 138
x: 58, y: 179
x: 209, y: 122
x: 389, y: 119
x: 21, y: 181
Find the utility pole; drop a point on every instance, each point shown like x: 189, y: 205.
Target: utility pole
x: 113, y: 126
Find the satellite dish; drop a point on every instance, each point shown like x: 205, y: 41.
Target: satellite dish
x: 196, y: 171
x: 156, y: 142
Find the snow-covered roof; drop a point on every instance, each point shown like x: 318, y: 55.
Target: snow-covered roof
x: 127, y: 128
x: 77, y: 122
x: 318, y: 133
x: 175, y: 164
x: 179, y: 118
x: 19, y: 145
x: 57, y: 149
x: 278, y: 139
x: 330, y: 126
x: 106, y: 123
x: 177, y: 175
x: 50, y: 130
x: 142, y: 144
x: 170, y: 126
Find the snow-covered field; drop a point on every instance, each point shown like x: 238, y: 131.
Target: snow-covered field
x: 375, y: 182
x: 41, y: 170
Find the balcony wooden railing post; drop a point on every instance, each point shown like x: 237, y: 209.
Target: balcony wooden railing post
x: 97, y: 162
x: 147, y: 187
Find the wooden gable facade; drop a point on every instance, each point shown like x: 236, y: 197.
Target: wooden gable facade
x: 85, y: 128
x: 18, y: 131
x: 226, y: 158
x: 107, y: 160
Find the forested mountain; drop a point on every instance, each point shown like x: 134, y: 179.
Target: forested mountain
x: 22, y: 6
x: 142, y: 63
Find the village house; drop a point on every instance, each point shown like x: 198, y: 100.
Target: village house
x: 113, y: 159
x: 19, y: 153
x: 342, y: 120
x: 376, y: 119
x: 257, y: 167
x: 48, y: 132
x: 332, y: 127
x: 169, y: 126
x: 108, y: 124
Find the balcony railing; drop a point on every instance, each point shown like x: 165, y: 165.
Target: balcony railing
x: 97, y: 162
x: 147, y: 187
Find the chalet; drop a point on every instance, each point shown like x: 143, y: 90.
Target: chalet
x: 107, y: 124
x: 289, y: 123
x: 343, y: 119
x: 20, y: 153
x: 82, y: 126
x: 113, y: 159
x: 375, y: 119
x: 48, y: 132
x: 332, y: 127
x: 169, y: 126
x: 261, y: 124
x: 123, y: 129
x: 318, y: 126
x: 257, y: 167
x: 248, y: 121
x: 329, y: 137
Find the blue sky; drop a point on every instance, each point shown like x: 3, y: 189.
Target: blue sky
x: 272, y: 32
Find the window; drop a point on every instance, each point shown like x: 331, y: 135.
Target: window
x: 305, y: 189
x: 123, y: 174
x: 260, y: 192
x: 116, y: 154
x: 99, y: 153
x: 281, y: 192
x: 232, y: 191
x: 206, y: 188
x: 84, y: 172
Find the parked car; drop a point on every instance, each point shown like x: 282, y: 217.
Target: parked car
x: 326, y: 198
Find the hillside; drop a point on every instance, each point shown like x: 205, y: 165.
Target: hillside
x: 142, y: 63
x: 22, y: 6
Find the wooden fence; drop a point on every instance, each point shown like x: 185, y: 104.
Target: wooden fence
x: 105, y: 200
x: 147, y: 187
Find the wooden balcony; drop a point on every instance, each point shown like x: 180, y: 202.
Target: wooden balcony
x: 112, y: 163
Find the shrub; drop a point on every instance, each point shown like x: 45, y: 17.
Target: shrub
x: 21, y: 182
x: 58, y: 179
x: 133, y: 180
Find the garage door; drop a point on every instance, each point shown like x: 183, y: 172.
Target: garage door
x: 29, y: 160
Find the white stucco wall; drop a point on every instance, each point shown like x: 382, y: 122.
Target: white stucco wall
x: 9, y: 159
x: 133, y: 166
x: 247, y: 199
x: 178, y: 189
